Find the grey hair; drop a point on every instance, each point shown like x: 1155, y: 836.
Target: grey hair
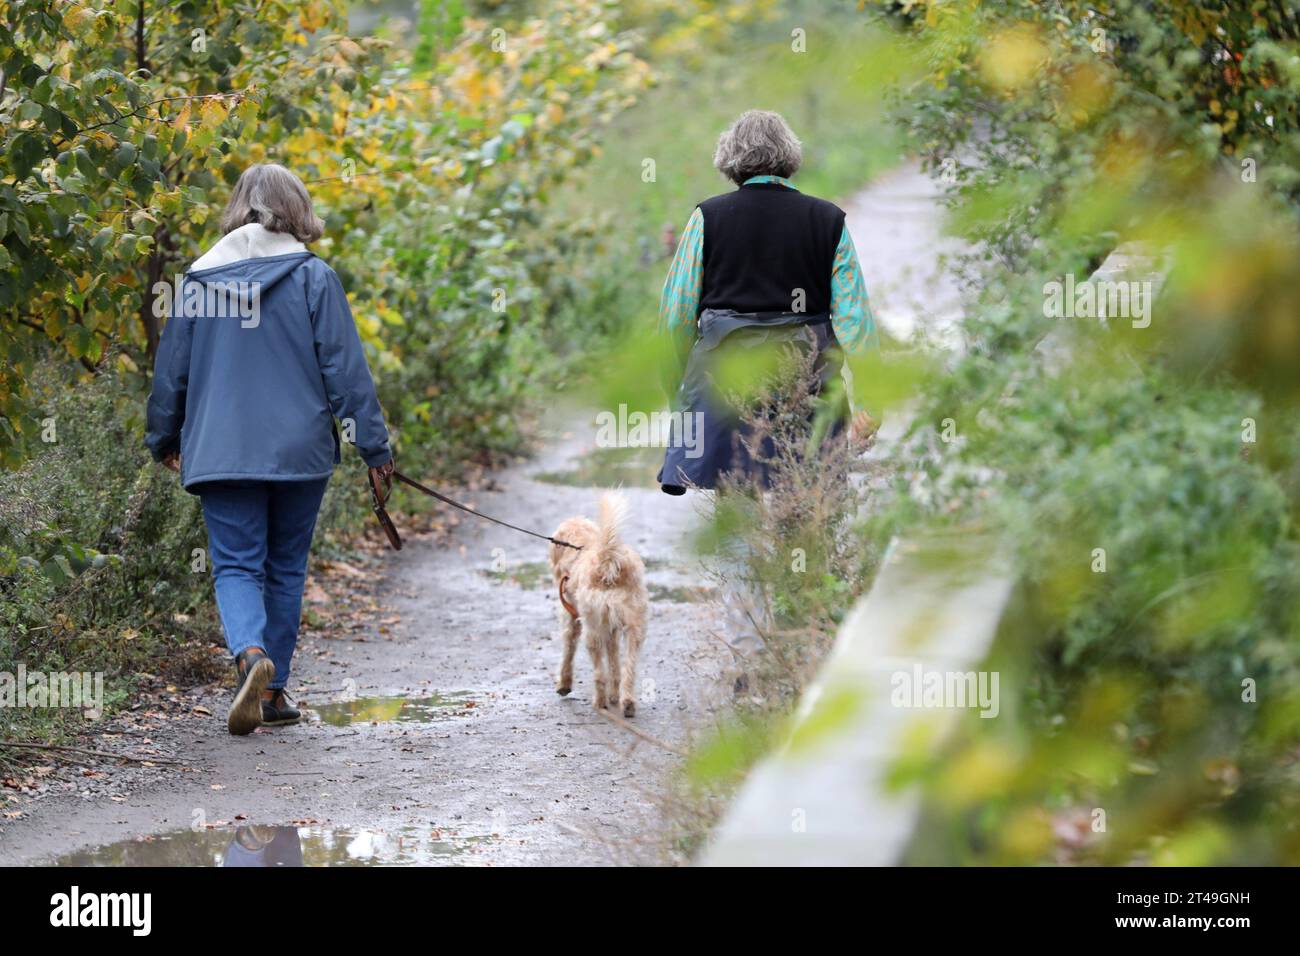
x: 272, y: 195
x: 759, y: 143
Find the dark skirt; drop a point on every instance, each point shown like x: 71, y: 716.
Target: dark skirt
x: 707, y: 438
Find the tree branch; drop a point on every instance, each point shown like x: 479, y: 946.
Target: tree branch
x: 141, y: 52
x: 17, y: 745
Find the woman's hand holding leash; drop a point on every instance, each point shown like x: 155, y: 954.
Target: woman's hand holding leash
x: 863, y: 426
x: 380, y: 481
x: 383, y: 473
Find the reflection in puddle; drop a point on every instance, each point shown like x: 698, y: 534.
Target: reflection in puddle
x: 283, y: 846
x: 368, y: 710
x: 660, y: 593
x: 609, y: 468
x: 529, y: 575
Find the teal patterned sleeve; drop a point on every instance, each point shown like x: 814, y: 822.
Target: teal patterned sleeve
x: 681, y: 296
x: 680, y: 300
x: 851, y: 318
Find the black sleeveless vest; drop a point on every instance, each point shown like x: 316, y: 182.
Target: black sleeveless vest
x: 762, y: 242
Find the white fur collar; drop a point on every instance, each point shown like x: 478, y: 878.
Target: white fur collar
x: 253, y: 241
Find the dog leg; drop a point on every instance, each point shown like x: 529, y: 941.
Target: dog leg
x: 572, y: 629
x: 635, y: 634
x: 596, y: 646
x: 611, y: 661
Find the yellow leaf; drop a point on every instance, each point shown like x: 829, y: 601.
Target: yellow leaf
x: 213, y: 112
x: 79, y: 20
x: 1013, y: 57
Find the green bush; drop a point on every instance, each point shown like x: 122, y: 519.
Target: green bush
x: 1154, y: 648
x: 1150, y: 658
x: 98, y: 550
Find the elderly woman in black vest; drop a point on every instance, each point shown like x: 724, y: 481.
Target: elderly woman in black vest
x: 762, y: 263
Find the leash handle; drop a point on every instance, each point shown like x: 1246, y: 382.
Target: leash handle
x: 380, y: 490
x: 468, y: 510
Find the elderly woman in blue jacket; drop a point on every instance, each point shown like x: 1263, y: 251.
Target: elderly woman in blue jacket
x: 258, y: 359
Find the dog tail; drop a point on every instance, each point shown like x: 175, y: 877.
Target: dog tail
x: 613, y: 512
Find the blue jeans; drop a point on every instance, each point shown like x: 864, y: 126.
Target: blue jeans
x: 259, y: 536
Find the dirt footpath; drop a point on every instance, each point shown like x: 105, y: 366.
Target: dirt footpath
x: 438, y: 736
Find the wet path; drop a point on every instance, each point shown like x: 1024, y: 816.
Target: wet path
x: 895, y: 224
x: 438, y: 737
x: 442, y: 740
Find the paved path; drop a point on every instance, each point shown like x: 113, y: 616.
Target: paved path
x: 492, y: 767
x: 826, y: 802
x: 457, y: 748
x: 895, y: 224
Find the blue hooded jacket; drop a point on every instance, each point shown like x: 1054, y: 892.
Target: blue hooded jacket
x: 258, y: 359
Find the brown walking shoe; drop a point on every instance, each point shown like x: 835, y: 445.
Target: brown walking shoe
x: 255, y: 672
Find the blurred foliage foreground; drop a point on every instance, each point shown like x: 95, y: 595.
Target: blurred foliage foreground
x: 1146, y: 480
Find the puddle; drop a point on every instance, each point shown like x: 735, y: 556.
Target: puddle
x: 609, y: 468
x: 680, y: 595
x: 529, y: 576
x: 532, y: 575
x: 372, y: 710
x: 285, y: 846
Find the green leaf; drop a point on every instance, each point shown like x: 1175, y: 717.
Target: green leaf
x: 125, y: 154
x: 102, y: 238
x: 58, y: 570
x: 25, y: 150
x: 85, y: 165
x: 43, y: 89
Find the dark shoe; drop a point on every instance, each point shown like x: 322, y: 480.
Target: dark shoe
x: 255, y: 672
x: 279, y: 711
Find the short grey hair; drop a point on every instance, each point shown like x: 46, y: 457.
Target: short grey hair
x: 759, y: 143
x: 272, y: 195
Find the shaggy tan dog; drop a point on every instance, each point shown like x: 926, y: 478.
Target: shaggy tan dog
x: 604, y: 584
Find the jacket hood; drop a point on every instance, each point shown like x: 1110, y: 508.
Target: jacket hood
x: 234, y: 277
x: 253, y: 241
